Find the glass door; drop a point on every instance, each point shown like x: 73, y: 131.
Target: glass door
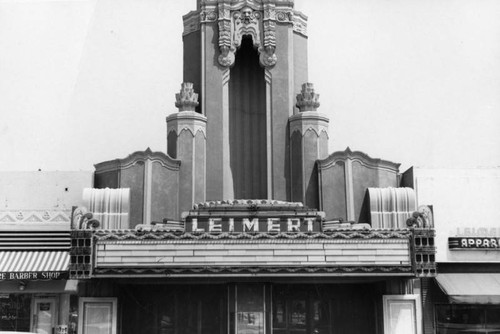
x: 250, y: 309
x: 44, y: 315
x: 97, y: 316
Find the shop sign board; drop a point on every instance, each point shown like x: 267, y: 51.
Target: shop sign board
x: 256, y: 224
x: 33, y: 275
x: 478, y: 231
x: 474, y: 243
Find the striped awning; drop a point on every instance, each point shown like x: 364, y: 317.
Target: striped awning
x: 35, y: 240
x: 49, y: 264
x: 471, y: 288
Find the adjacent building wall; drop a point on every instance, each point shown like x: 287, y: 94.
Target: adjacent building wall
x: 41, y: 190
x: 465, y: 202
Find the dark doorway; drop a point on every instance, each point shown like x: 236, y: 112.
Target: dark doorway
x: 324, y: 309
x: 247, y: 121
x: 173, y: 309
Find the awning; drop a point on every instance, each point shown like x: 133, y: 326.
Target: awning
x: 471, y: 288
x: 33, y: 265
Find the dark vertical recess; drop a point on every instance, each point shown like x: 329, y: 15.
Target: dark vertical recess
x: 247, y: 121
x: 172, y: 144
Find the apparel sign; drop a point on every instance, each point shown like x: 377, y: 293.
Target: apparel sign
x: 475, y: 238
x: 471, y: 243
x: 33, y: 275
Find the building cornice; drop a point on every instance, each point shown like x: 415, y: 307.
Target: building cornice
x: 139, y: 156
x: 263, y: 271
x: 304, y: 122
x: 187, y: 121
x: 360, y: 157
x: 121, y: 235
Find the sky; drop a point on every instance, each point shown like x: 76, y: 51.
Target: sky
x: 411, y: 81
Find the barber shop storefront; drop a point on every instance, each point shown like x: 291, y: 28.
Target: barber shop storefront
x: 252, y: 267
x: 35, y: 291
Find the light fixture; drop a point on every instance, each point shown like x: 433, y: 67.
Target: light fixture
x: 22, y: 285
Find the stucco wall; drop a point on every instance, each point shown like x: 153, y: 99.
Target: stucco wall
x: 43, y: 190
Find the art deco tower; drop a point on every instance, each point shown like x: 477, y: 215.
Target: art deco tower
x: 248, y: 60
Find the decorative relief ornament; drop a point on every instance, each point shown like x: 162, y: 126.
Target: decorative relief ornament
x: 210, y: 12
x: 307, y: 100
x: 226, y: 57
x: 284, y: 16
x: 300, y: 25
x: 187, y: 99
x: 246, y: 22
x: 208, y: 16
x: 233, y: 25
x: 83, y: 219
x: 267, y: 56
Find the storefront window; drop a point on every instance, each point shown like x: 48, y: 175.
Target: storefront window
x: 455, y: 319
x: 15, y: 312
x: 320, y: 314
x: 300, y: 310
x: 298, y: 314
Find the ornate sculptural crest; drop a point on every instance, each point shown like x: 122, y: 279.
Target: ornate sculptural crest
x: 255, y: 18
x: 247, y: 21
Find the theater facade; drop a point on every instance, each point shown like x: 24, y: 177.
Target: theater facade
x: 247, y: 225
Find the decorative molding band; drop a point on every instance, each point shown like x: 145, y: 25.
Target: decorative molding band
x: 248, y: 2
x: 194, y: 131
x: 263, y: 270
x: 139, y: 156
x: 303, y: 130
x: 247, y: 203
x: 103, y: 235
x: 187, y: 121
x: 309, y: 121
x: 360, y: 157
x: 288, y: 3
x: 35, y: 216
x: 151, y: 242
x: 284, y: 15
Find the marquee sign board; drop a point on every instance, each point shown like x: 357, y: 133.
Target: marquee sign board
x: 270, y: 224
x: 252, y: 216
